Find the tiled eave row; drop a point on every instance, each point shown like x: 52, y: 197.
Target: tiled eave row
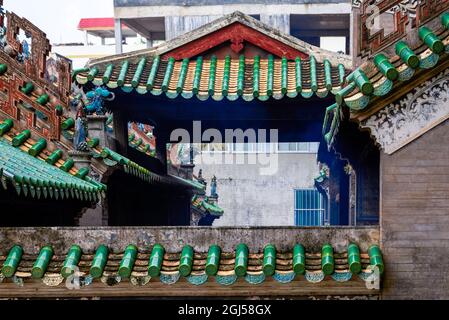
x: 246, y: 77
x: 144, y: 266
x: 381, y: 76
x: 36, y: 178
x: 138, y: 139
x: 113, y: 159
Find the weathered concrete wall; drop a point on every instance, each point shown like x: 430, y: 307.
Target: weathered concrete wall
x: 415, y: 218
x: 280, y: 22
x: 93, y: 217
x: 131, y: 3
x: 178, y: 25
x: 162, y: 8
x: 174, y: 238
x: 251, y: 199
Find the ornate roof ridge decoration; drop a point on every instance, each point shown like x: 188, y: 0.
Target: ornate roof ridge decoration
x: 406, y: 15
x: 37, y: 95
x: 109, y: 157
x: 381, y: 76
x: 248, y: 78
x: 204, y: 204
x: 236, y: 17
x: 33, y: 68
x: 139, y: 140
x: 134, y: 141
x: 112, y: 158
x: 140, y: 266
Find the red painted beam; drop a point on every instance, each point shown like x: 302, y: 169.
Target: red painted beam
x: 237, y: 34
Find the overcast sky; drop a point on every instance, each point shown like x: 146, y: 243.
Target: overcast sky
x: 59, y: 18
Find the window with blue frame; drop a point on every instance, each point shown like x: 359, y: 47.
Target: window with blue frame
x: 310, y: 208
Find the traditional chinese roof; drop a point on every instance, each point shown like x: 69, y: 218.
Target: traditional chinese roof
x: 383, y: 76
x: 142, y: 261
x: 137, y: 139
x: 34, y: 177
x: 192, y: 183
x: 176, y: 69
x: 110, y: 157
x: 248, y: 78
x: 55, y: 158
x: 203, y: 204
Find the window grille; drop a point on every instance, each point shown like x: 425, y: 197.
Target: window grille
x: 310, y: 208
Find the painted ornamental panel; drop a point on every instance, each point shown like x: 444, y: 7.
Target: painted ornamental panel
x: 382, y: 23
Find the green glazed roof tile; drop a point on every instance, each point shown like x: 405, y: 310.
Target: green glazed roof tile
x: 348, y: 265
x: 26, y: 172
x: 380, y: 75
x: 170, y: 77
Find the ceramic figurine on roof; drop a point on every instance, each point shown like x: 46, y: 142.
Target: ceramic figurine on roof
x: 200, y: 178
x: 96, y: 99
x: 79, y: 138
x: 77, y: 96
x: 213, y: 187
x: 2, y: 28
x: 24, y: 52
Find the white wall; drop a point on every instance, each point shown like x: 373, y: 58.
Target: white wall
x: 251, y: 199
x: 81, y: 54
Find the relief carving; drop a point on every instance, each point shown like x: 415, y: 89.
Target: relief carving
x: 403, y: 15
x: 405, y: 120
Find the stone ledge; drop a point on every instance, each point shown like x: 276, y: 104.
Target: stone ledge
x: 175, y: 238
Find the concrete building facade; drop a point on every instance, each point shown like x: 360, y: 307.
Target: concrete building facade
x: 165, y: 20
x: 251, y: 198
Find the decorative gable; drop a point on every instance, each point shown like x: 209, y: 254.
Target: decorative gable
x: 234, y: 40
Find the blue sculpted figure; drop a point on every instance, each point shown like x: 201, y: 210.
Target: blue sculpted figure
x: 96, y: 98
x: 25, y: 50
x: 2, y: 36
x: 213, y: 187
x: 2, y: 28
x: 79, y: 138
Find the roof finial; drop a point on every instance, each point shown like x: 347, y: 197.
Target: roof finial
x: 213, y: 187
